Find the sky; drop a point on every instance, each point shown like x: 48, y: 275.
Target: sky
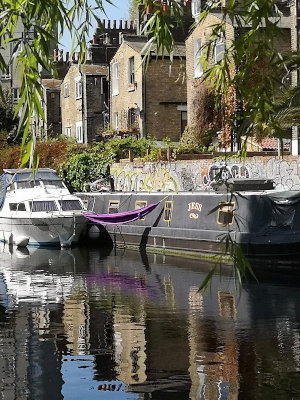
x: 117, y: 11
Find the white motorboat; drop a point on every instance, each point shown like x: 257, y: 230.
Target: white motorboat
x: 36, y: 208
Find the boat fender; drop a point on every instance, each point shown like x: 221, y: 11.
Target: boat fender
x: 21, y: 241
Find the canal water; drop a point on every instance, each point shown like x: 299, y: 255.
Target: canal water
x: 93, y: 324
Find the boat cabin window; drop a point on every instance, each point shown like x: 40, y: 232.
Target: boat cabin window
x: 43, y: 206
x: 28, y: 184
x: 140, y: 204
x: 168, y: 211
x: 225, y: 213
x: 17, y: 207
x: 113, y: 207
x: 53, y: 183
x: 70, y: 205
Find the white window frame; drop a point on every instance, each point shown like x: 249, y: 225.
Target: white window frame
x: 67, y: 89
x: 68, y: 131
x: 79, y: 132
x: 196, y: 8
x: 116, y: 121
x: 115, y: 78
x: 15, y: 95
x: 131, y: 71
x: 78, y: 88
x: 219, y: 49
x: 198, y: 68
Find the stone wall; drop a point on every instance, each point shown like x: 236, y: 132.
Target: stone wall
x: 200, y: 174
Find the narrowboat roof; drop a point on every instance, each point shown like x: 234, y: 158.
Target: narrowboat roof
x: 24, y: 170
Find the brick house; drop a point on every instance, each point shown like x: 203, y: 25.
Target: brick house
x: 152, y: 101
x: 197, y: 40
x: 84, y: 99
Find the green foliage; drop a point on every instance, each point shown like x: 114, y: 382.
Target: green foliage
x: 84, y: 168
x: 119, y: 148
x: 252, y: 66
x: 31, y: 52
x: 133, y: 9
x: 8, y: 121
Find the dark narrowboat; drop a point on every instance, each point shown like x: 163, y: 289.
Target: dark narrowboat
x: 262, y: 220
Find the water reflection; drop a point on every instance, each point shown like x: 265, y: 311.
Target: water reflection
x: 80, y: 324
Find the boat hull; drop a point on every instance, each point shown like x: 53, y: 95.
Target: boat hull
x: 53, y: 231
x: 260, y: 225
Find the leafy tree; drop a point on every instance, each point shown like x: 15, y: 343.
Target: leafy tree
x: 8, y: 121
x: 252, y: 66
x: 44, y: 22
x: 133, y: 9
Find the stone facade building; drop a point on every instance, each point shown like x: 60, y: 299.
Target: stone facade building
x: 195, y: 44
x: 84, y: 99
x: 152, y: 101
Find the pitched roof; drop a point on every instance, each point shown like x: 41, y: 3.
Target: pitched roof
x: 139, y: 45
x: 91, y: 69
x: 51, y: 83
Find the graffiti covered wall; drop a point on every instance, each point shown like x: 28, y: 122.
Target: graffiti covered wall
x: 201, y: 174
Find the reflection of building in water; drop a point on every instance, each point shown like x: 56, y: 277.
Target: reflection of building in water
x: 76, y: 322
x: 213, y: 358
x: 130, y: 347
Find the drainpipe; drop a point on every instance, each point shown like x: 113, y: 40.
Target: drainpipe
x: 143, y: 131
x: 84, y: 109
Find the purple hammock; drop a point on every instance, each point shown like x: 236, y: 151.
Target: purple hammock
x: 121, y: 218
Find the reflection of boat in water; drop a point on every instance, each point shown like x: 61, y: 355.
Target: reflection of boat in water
x: 29, y: 276
x: 37, y: 209
x: 250, y: 213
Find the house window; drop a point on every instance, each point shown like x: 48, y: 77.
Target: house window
x: 78, y: 88
x: 183, y: 120
x: 113, y: 206
x: 198, y: 69
x: 131, y: 71
x: 67, y: 89
x: 196, y: 8
x: 68, y: 131
x: 225, y: 213
x: 168, y: 211
x: 79, y: 133
x: 6, y: 75
x: 115, y: 79
x: 132, y: 118
x: 15, y: 95
x: 116, y: 121
x: 219, y: 49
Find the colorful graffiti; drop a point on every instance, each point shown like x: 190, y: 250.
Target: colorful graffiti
x: 222, y: 172
x: 201, y: 174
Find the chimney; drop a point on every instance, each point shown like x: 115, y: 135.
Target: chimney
x: 67, y: 56
x: 115, y: 24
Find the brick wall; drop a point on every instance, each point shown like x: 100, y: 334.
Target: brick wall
x: 203, y: 32
x: 129, y: 96
x: 157, y: 100
x: 165, y: 90
x: 71, y: 108
x: 53, y: 116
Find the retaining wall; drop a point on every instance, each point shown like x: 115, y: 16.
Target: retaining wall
x: 192, y: 175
